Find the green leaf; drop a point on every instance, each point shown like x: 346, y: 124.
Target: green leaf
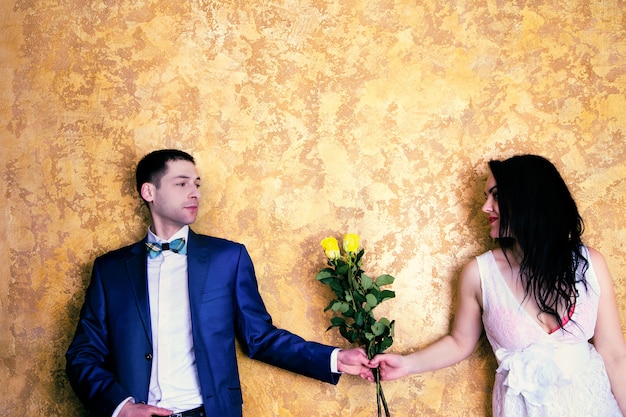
x: 386, y: 295
x: 342, y: 269
x: 325, y: 273
x: 369, y: 320
x: 384, y: 280
x: 360, y: 255
x: 371, y: 300
x: 384, y: 322
x: 337, y: 321
x: 366, y: 282
x: 345, y: 333
x: 358, y: 297
x: 336, y: 305
x: 359, y: 319
x: 385, y: 344
x: 378, y: 328
x: 344, y: 308
x: 330, y: 305
x: 335, y: 284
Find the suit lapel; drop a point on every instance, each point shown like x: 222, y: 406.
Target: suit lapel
x: 137, y: 274
x: 198, y: 261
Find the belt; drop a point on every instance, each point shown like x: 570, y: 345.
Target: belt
x: 196, y: 412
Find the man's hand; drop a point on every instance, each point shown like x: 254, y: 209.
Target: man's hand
x: 130, y: 409
x: 354, y: 362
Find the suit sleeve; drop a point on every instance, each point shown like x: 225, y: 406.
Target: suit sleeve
x: 269, y: 344
x: 88, y: 356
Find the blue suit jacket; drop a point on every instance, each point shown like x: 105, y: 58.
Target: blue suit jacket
x: 110, y: 356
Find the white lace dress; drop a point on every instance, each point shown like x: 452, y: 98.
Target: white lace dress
x: 544, y: 374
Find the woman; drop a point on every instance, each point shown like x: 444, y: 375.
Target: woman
x: 541, y: 297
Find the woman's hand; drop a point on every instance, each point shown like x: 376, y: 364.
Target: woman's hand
x: 391, y: 366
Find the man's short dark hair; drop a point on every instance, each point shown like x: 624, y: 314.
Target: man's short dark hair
x: 153, y: 166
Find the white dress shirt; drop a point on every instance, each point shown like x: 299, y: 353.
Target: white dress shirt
x: 174, y: 380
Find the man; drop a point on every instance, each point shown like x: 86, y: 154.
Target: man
x: 156, y: 333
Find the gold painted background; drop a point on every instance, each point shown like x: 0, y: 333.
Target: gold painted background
x: 308, y: 118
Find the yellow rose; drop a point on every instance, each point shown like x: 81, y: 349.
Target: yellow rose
x: 331, y: 248
x: 351, y: 243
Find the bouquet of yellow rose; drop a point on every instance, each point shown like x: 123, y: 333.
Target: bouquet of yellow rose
x: 357, y: 296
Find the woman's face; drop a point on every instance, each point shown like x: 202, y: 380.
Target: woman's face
x: 491, y: 206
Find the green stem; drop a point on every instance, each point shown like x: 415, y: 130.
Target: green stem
x: 380, y: 395
x: 352, y: 283
x: 377, y: 374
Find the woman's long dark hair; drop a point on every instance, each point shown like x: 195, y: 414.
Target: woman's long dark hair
x: 538, y: 213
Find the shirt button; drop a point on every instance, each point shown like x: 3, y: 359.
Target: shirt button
x: 148, y: 356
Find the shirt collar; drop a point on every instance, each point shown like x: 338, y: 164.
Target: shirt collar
x: 183, y: 232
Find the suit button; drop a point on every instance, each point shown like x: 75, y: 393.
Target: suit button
x: 148, y: 356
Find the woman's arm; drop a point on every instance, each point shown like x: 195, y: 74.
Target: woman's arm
x: 608, y: 338
x: 450, y: 349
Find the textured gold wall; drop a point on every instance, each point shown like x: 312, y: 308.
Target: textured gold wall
x: 308, y: 118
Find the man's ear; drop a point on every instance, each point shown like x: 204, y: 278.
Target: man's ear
x: 147, y: 192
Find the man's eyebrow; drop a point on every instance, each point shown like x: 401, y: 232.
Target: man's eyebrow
x: 186, y: 177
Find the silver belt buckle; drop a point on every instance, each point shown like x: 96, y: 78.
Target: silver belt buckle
x: 177, y: 415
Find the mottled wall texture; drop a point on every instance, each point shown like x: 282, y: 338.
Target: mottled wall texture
x: 308, y: 118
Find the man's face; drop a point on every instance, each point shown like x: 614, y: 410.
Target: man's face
x: 174, y: 203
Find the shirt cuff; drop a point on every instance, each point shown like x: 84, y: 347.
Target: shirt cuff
x: 119, y: 407
x: 333, y: 362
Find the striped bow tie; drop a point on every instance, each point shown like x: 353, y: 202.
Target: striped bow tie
x: 176, y: 245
